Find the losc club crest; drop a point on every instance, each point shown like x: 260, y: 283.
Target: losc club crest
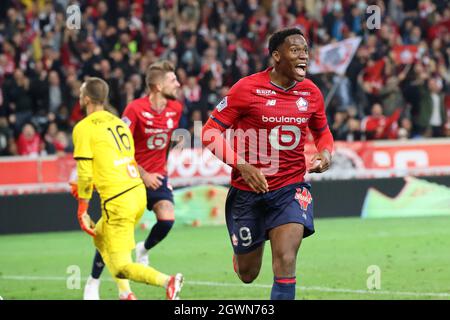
x: 170, y: 123
x: 234, y: 240
x: 302, y: 104
x: 304, y: 198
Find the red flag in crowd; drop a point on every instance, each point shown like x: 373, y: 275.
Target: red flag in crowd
x: 406, y: 54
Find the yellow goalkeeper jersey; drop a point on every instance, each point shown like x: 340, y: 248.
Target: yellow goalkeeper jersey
x: 104, y: 150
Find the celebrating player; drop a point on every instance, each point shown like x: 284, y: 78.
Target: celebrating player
x: 269, y: 200
x: 151, y: 120
x: 104, y: 151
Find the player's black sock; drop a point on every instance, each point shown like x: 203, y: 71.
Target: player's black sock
x: 97, y: 266
x: 158, y: 232
x: 283, y: 289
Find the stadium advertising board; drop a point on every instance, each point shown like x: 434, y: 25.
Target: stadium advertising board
x: 357, y: 160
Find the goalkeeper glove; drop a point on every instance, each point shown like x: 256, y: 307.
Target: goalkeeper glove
x: 86, y: 223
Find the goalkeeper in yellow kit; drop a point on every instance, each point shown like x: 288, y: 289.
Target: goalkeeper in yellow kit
x: 104, y: 151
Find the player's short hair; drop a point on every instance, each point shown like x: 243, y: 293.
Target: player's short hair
x: 156, y: 71
x: 97, y: 90
x: 278, y: 37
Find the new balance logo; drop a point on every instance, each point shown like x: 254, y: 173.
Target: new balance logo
x: 271, y: 103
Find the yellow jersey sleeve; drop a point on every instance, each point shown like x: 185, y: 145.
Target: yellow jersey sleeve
x: 85, y: 179
x: 84, y: 156
x: 82, y: 141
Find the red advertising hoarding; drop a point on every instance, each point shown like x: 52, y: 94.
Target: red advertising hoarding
x: 196, y: 166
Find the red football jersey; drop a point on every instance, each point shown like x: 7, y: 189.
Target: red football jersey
x: 270, y: 125
x: 152, y: 132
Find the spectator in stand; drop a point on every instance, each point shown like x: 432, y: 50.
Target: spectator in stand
x: 62, y: 143
x: 29, y: 143
x: 338, y: 128
x: 49, y: 138
x: 432, y: 115
x: 6, y: 138
x: 39, y: 89
x: 220, y: 39
x: 55, y: 92
x: 18, y: 99
x: 405, y: 129
x: 378, y: 126
x: 209, y: 96
x: 55, y: 140
x: 191, y: 92
x: 390, y: 94
x: 346, y: 126
x: 354, y: 130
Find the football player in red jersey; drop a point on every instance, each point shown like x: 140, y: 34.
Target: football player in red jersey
x: 269, y: 200
x: 152, y: 120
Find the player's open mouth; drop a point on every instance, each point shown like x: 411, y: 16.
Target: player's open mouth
x: 300, y: 69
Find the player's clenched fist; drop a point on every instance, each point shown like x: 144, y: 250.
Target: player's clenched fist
x: 320, y: 162
x: 253, y: 177
x: 86, y: 223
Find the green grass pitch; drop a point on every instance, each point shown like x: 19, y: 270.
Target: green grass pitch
x: 413, y: 256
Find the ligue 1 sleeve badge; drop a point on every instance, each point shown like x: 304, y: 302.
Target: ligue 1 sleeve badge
x: 302, y: 104
x: 222, y: 104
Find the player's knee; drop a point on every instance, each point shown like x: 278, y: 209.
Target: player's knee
x: 164, y: 210
x: 121, y: 275
x: 248, y: 276
x: 118, y: 268
x: 120, y: 271
x: 285, y: 260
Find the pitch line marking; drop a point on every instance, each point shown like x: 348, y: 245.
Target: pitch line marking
x: 265, y: 286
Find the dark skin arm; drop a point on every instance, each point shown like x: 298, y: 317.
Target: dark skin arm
x: 253, y: 177
x: 320, y: 162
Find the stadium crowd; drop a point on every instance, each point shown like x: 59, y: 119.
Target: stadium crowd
x: 213, y: 44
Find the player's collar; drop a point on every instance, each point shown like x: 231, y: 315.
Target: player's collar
x: 268, y: 70
x: 282, y: 88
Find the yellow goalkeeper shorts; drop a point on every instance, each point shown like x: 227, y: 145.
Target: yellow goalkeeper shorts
x: 120, y: 214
